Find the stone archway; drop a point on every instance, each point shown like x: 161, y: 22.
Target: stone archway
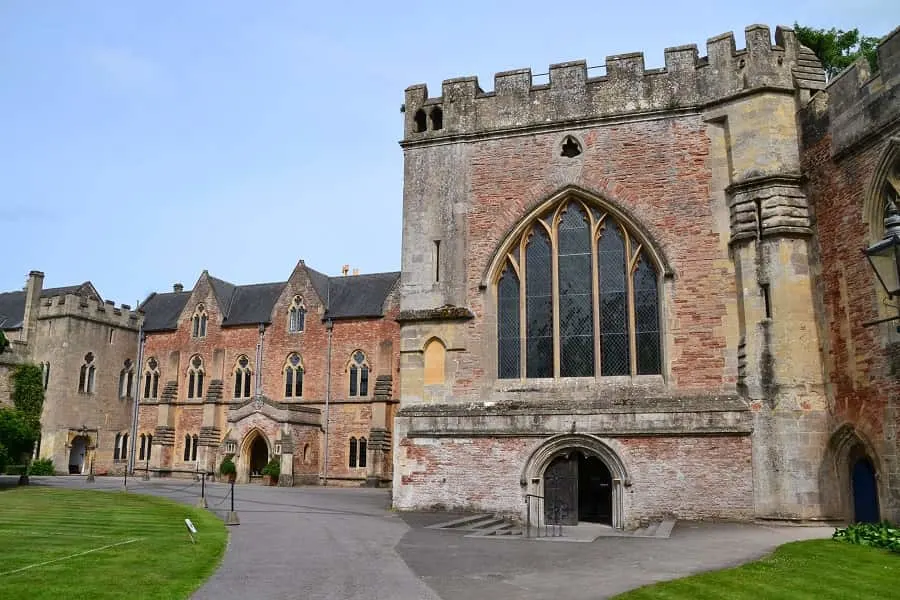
x: 77, y: 455
x: 582, y: 473
x: 255, y: 453
x: 850, y: 476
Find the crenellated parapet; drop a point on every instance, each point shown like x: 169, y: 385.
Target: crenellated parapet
x: 857, y: 102
x: 106, y: 312
x: 687, y: 81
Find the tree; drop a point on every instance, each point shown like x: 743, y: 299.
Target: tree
x: 28, y: 392
x: 838, y: 49
x: 20, y: 426
x: 4, y: 343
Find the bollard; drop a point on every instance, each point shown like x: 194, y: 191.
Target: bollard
x: 232, y: 516
x: 202, y: 502
x: 90, y: 477
x: 125, y: 484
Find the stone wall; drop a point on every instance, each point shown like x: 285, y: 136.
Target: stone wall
x: 851, y: 142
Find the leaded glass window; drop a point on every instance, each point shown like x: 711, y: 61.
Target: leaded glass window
x: 293, y: 376
x: 591, y: 299
x: 359, y: 374
x: 242, y: 377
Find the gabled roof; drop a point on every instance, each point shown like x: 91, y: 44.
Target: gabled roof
x: 161, y: 311
x: 12, y: 304
x: 347, y: 297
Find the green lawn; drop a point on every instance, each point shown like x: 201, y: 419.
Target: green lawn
x: 814, y: 570
x: 134, y: 546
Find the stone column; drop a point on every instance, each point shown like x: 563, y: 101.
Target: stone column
x: 286, y: 478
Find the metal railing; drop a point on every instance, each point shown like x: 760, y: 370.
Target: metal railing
x: 541, y: 520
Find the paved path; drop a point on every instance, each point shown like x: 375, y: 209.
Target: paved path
x: 334, y: 543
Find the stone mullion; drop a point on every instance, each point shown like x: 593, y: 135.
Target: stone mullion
x: 595, y: 288
x: 629, y: 303
x: 554, y: 290
x: 523, y: 313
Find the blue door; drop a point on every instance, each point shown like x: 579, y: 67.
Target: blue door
x: 865, y: 492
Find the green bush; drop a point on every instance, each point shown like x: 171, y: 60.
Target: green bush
x: 877, y: 535
x: 16, y: 469
x: 227, y: 467
x: 273, y: 468
x: 43, y: 466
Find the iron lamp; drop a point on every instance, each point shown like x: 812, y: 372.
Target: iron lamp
x: 884, y: 255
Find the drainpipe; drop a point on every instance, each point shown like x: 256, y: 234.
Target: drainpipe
x: 135, y: 389
x: 259, y: 351
x: 329, y: 327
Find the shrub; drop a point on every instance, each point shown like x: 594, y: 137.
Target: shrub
x: 877, y: 535
x: 43, y: 466
x: 273, y: 468
x: 227, y: 467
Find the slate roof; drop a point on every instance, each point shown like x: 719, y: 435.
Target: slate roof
x: 346, y: 297
x: 12, y: 304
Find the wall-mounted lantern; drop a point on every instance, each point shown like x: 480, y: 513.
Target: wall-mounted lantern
x: 884, y: 256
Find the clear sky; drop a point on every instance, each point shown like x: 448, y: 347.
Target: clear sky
x: 143, y: 142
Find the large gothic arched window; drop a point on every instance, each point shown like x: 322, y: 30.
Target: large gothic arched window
x: 577, y: 296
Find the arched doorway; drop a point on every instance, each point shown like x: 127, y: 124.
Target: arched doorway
x: 259, y: 456
x: 865, y: 491
x: 577, y: 487
x: 77, y: 455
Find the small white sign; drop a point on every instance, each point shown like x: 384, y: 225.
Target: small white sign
x: 192, y: 531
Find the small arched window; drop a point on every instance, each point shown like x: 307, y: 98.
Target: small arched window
x: 359, y: 374
x: 437, y: 118
x: 577, y: 296
x: 362, y: 451
x: 195, y: 377
x: 353, y: 451
x: 199, y: 321
x: 143, y: 448
x: 126, y: 379
x: 293, y: 376
x: 419, y: 121
x: 120, y: 450
x: 434, y: 362
x: 151, y: 379
x: 87, y: 375
x: 242, y: 377
x: 297, y: 315
x: 45, y: 371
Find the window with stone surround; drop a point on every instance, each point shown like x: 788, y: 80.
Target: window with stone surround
x: 363, y: 448
x: 199, y: 321
x: 45, y: 373
x: 190, y: 447
x: 358, y: 369
x: 146, y: 445
x: 577, y: 296
x: 126, y: 379
x: 352, y: 453
x: 297, y: 315
x: 88, y: 375
x: 195, y: 377
x: 293, y: 376
x: 120, y: 448
x: 151, y: 379
x: 242, y: 377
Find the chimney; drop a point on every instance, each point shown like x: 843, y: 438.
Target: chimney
x: 345, y: 269
x: 356, y: 271
x: 33, y: 289
x: 177, y: 288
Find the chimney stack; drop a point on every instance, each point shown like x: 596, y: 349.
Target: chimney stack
x: 33, y: 290
x: 177, y: 288
x: 356, y: 271
x: 345, y: 269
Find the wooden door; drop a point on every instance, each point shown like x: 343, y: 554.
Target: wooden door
x: 561, y: 491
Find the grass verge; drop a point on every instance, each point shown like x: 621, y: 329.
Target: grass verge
x: 813, y: 570
x: 101, y: 545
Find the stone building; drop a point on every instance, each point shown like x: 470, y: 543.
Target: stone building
x: 641, y: 295
x: 256, y: 372
x: 87, y: 348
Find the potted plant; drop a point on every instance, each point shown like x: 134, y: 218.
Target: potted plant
x: 271, y: 471
x: 228, y: 470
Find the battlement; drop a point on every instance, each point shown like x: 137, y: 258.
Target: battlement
x: 857, y: 101
x: 71, y: 305
x: 627, y: 88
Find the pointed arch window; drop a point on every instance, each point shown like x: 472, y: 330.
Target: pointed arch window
x: 45, y: 373
x: 359, y: 374
x: 190, y: 447
x: 120, y: 448
x: 126, y: 379
x: 297, y: 315
x: 242, y: 377
x: 88, y: 374
x: 195, y: 377
x: 293, y: 376
x: 146, y: 444
x: 199, y: 321
x: 151, y: 379
x: 353, y: 451
x: 577, y: 296
x: 363, y: 448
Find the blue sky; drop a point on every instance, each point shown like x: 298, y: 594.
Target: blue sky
x: 146, y: 141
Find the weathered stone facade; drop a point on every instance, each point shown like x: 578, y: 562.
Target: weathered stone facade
x: 82, y: 343
x: 345, y: 317
x: 699, y: 164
